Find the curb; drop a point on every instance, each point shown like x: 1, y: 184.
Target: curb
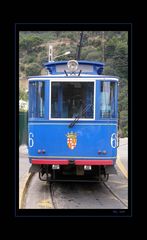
x: 23, y: 188
x: 121, y: 167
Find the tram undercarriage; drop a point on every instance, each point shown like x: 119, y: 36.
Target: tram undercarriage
x: 73, y: 173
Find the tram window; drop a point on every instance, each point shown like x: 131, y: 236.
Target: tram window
x: 107, y: 104
x: 71, y: 99
x: 36, y: 99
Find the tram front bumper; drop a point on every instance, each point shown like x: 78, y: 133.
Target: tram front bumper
x: 88, y: 162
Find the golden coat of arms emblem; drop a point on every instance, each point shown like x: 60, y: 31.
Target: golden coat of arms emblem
x: 71, y: 140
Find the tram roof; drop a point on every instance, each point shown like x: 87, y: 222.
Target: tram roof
x: 79, y: 61
x: 86, y: 66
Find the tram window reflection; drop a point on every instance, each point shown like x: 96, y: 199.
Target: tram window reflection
x: 107, y: 104
x: 37, y: 96
x: 70, y: 99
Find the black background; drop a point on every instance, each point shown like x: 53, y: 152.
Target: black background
x: 9, y: 212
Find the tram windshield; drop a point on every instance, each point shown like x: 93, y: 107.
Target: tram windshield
x: 72, y: 99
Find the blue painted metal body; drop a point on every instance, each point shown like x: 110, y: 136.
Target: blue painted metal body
x: 96, y: 138
x: 91, y: 138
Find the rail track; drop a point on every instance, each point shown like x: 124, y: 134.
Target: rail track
x: 65, y: 195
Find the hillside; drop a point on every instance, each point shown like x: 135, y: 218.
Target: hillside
x: 110, y: 47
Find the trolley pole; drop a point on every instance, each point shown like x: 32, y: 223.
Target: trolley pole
x: 103, y: 45
x: 79, y: 46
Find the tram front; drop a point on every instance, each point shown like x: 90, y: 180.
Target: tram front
x: 73, y: 122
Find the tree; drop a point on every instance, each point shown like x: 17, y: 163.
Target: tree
x: 23, y: 94
x: 94, y: 55
x: 33, y: 69
x: 29, y: 43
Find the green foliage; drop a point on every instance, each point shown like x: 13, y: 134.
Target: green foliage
x: 29, y: 43
x: 23, y: 94
x: 96, y: 42
x: 30, y: 58
x: 123, y: 123
x: 94, y: 56
x: 33, y: 69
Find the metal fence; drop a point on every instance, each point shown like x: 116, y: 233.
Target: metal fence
x: 23, y: 128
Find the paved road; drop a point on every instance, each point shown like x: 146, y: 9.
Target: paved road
x: 123, y: 151
x: 24, y: 164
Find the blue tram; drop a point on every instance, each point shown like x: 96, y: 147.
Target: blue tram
x: 73, y: 122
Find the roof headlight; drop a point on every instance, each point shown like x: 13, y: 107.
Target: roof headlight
x: 72, y: 65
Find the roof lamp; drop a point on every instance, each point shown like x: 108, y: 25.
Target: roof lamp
x: 72, y: 65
